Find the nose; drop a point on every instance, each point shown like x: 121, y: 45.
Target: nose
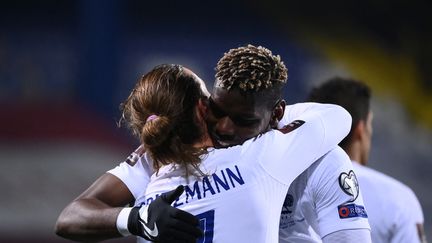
x: 225, y: 127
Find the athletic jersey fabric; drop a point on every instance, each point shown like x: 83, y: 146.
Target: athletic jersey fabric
x: 393, y: 208
x: 312, y: 206
x: 240, y: 198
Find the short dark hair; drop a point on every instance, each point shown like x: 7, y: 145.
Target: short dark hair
x: 353, y: 95
x: 170, y: 95
x: 252, y: 69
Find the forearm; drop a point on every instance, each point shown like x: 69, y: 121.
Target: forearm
x: 88, y: 220
x: 335, y: 115
x: 328, y: 124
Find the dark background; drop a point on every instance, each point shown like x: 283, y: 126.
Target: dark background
x: 65, y: 66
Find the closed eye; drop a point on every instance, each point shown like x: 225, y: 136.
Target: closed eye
x: 240, y: 121
x: 217, y: 112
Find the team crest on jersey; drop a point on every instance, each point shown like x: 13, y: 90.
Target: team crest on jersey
x: 292, y: 126
x: 349, y: 184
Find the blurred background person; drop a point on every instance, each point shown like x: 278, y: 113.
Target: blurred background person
x: 381, y: 193
x: 65, y: 66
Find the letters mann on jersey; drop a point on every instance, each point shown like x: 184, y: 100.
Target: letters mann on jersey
x: 220, y: 181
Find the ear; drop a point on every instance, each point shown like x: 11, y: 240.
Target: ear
x: 201, y: 109
x: 277, y: 114
x: 358, y: 130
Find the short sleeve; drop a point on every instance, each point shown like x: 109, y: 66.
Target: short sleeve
x: 316, y: 129
x: 406, y: 223
x: 339, y: 206
x: 134, y: 173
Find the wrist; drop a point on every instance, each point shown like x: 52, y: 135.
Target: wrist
x: 122, y: 221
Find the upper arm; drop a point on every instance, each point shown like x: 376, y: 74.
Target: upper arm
x: 322, y: 127
x: 332, y: 202
x: 317, y: 130
x: 409, y: 220
x: 134, y: 173
x: 109, y: 190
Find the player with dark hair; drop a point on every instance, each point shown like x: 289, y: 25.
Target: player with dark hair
x: 247, y: 95
x: 244, y: 112
x: 247, y: 100
x: 226, y: 178
x: 381, y: 193
x: 231, y: 183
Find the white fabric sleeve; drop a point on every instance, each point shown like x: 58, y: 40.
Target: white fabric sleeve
x: 319, y: 128
x: 405, y: 231
x: 349, y: 236
x: 405, y: 227
x: 292, y: 112
x: 328, y: 194
x: 134, y: 173
x: 417, y: 212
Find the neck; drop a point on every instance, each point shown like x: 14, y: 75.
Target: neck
x: 354, y: 152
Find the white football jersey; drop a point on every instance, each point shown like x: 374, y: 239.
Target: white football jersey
x: 240, y: 198
x: 393, y: 208
x: 314, y: 205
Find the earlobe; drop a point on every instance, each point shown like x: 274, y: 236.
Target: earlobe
x: 278, y: 111
x: 201, y: 109
x: 359, y: 130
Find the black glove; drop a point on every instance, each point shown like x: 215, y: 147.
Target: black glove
x: 160, y: 222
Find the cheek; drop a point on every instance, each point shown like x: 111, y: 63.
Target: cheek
x: 211, y: 121
x: 246, y: 133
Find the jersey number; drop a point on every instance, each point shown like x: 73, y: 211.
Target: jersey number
x: 206, y: 221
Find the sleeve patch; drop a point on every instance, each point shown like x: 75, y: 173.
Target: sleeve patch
x: 349, y: 184
x: 292, y: 126
x: 351, y: 211
x: 133, y: 158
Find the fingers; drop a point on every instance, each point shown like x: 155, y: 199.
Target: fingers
x: 171, y: 196
x: 185, y: 217
x: 188, y: 229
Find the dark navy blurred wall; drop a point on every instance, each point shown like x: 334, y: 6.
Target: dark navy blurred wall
x: 65, y: 66
x: 95, y: 47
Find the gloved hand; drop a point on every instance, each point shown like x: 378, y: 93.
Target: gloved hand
x: 160, y: 222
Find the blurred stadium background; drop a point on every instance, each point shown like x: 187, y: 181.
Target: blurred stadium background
x: 65, y: 66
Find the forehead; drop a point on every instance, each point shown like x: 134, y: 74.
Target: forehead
x: 235, y: 103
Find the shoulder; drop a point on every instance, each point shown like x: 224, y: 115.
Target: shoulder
x: 332, y: 164
x: 134, y: 172
x: 336, y: 158
x: 376, y: 177
x: 389, y: 189
x: 331, y: 187
x: 325, y: 175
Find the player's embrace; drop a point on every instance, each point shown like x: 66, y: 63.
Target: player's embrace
x: 237, y: 192
x: 226, y: 186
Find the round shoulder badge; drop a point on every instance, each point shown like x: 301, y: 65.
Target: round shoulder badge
x: 349, y: 184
